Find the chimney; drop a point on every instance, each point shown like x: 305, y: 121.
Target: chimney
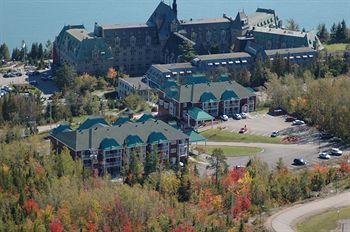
x: 175, y: 8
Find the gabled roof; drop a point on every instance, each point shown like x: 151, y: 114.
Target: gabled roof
x: 133, y: 141
x: 121, y: 121
x: 199, y: 114
x: 61, y: 128
x: 93, y: 121
x: 109, y: 144
x: 229, y: 95
x: 156, y: 138
x: 127, y: 134
x: 195, y: 137
x: 285, y: 51
x: 196, y: 93
x: 207, y: 97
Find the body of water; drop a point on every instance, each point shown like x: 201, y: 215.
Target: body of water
x: 40, y: 20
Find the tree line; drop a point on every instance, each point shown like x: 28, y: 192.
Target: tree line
x: 338, y: 33
x: 34, y: 56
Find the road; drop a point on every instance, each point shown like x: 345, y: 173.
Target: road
x: 272, y: 152
x: 46, y: 128
x: 285, y: 220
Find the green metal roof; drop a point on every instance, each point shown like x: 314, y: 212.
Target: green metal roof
x: 168, y: 84
x: 196, y: 79
x: 229, y: 95
x: 224, y: 77
x: 145, y: 118
x: 121, y: 121
x: 195, y: 137
x: 207, y: 97
x: 199, y: 114
x: 61, y: 128
x: 250, y: 89
x: 157, y: 137
x: 92, y: 121
x: 133, y: 141
x: 109, y: 144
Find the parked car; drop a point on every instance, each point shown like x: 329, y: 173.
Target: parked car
x: 244, y: 115
x: 298, y: 122
x: 299, y: 162
x: 275, y: 134
x: 6, y: 88
x: 290, y: 119
x: 277, y: 112
x: 237, y: 116
x: 336, y: 152
x: 2, y: 93
x: 224, y: 117
x: 324, y: 155
x: 324, y: 135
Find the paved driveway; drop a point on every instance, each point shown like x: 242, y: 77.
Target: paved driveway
x: 285, y: 220
x: 272, y: 152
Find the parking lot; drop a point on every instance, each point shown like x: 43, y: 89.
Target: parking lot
x: 48, y: 87
x: 258, y: 123
x: 307, y: 146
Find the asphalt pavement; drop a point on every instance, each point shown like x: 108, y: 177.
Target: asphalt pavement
x: 285, y: 220
x: 272, y: 152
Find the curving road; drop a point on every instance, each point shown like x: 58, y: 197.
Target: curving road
x: 272, y: 152
x: 285, y: 220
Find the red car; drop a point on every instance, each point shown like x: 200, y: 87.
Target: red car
x: 243, y: 130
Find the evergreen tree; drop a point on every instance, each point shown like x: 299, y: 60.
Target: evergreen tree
x: 148, y: 168
x: 343, y: 33
x: 135, y: 170
x: 4, y: 52
x: 184, y: 192
x: 187, y: 52
x: 65, y: 76
x: 323, y: 33
x: 334, y: 33
x: 217, y: 162
x: 292, y: 25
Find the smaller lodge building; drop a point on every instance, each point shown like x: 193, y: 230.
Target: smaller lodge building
x: 108, y: 147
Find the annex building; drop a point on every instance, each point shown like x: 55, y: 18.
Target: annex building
x: 133, y: 48
x: 107, y: 147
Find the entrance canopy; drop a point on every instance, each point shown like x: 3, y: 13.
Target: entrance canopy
x: 199, y: 115
x: 195, y: 137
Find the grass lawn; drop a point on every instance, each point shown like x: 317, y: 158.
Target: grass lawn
x: 233, y: 151
x: 336, y: 47
x: 227, y: 136
x: 323, y: 222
